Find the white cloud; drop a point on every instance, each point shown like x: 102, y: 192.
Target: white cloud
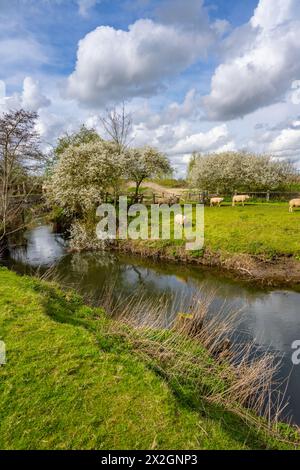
x: 2, y: 92
x: 295, y: 95
x: 221, y: 27
x: 202, y: 141
x: 287, y: 143
x: 32, y: 97
x: 259, y: 71
x: 271, y: 13
x: 20, y: 51
x: 113, y: 65
x: 84, y: 6
x: 172, y: 113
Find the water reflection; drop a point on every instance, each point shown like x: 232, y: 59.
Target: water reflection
x: 42, y: 248
x: 271, y: 317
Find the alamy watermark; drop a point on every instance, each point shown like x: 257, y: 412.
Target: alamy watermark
x: 2, y: 353
x: 155, y: 222
x: 296, y: 354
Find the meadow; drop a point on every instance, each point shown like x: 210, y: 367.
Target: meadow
x: 264, y: 229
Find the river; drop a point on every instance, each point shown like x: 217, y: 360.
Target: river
x: 270, y: 317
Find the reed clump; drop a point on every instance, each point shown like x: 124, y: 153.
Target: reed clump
x: 201, y: 354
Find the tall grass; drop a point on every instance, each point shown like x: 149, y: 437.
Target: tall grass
x: 203, y: 350
x: 202, y: 353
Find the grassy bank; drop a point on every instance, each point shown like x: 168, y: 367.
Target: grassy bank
x: 259, y: 241
x: 72, y: 380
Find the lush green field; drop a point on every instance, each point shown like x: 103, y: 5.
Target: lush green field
x: 264, y: 229
x: 69, y: 383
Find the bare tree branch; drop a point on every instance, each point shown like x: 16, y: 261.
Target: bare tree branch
x: 118, y: 126
x: 20, y: 157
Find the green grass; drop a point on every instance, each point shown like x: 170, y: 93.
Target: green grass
x: 257, y: 229
x: 71, y: 384
x: 263, y: 229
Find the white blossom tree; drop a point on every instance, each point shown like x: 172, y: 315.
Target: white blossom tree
x: 83, y: 174
x: 229, y: 171
x: 145, y: 162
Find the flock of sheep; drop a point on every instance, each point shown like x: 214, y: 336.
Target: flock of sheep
x: 216, y: 201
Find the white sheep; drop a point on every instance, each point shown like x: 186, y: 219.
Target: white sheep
x: 216, y: 201
x: 242, y: 198
x: 294, y: 203
x: 179, y: 219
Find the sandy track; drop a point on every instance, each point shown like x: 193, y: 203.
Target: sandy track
x: 158, y: 188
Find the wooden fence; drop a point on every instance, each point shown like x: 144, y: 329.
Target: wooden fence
x: 201, y: 197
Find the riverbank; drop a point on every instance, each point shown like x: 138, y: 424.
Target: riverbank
x: 280, y: 271
x: 258, y: 242
x: 76, y: 379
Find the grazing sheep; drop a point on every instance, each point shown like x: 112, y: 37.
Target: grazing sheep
x: 242, y: 198
x: 294, y: 203
x: 168, y: 200
x: 179, y: 219
x: 216, y: 201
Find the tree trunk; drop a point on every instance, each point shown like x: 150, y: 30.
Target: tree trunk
x: 4, y: 247
x: 137, y: 187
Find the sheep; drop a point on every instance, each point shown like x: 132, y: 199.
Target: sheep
x: 216, y: 201
x: 242, y: 198
x: 294, y: 203
x: 168, y: 200
x: 179, y: 219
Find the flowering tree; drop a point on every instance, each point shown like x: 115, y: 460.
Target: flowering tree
x: 82, y: 136
x: 229, y: 171
x: 83, y: 174
x: 145, y: 162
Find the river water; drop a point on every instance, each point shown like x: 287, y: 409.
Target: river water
x: 271, y: 317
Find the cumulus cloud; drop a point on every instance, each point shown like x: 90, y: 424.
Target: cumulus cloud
x: 287, y: 142
x: 172, y: 113
x: 113, y: 65
x: 32, y: 97
x: 260, y: 67
x: 215, y: 138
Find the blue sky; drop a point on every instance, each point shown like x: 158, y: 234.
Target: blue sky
x: 197, y: 75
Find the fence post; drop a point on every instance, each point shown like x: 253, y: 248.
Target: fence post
x: 268, y: 196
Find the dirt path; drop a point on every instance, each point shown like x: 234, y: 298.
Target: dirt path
x: 158, y: 188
